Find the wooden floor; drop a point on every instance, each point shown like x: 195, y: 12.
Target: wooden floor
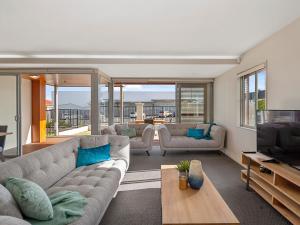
x: 28, y: 148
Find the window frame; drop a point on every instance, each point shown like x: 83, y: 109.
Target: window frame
x: 242, y: 96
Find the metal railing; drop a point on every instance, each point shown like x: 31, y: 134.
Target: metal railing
x: 75, y: 118
x: 67, y: 119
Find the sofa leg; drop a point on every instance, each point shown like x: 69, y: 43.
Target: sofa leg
x: 164, y: 153
x: 2, y: 156
x: 147, y: 152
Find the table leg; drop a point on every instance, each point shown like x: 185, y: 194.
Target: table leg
x: 1, y: 154
x: 248, y: 176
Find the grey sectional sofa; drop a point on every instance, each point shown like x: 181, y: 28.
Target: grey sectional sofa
x: 53, y: 168
x: 174, y: 137
x: 144, y: 139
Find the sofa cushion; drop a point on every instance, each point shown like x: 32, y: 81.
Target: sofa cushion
x: 98, y: 183
x: 130, y: 132
x: 110, y: 130
x: 139, y: 128
x: 148, y: 135
x: 91, y: 141
x: 137, y: 143
x: 179, y: 129
x: 119, y: 127
x: 31, y: 198
x: 8, y: 205
x: 9, y: 220
x: 187, y: 142
x: 204, y: 126
x: 88, y: 156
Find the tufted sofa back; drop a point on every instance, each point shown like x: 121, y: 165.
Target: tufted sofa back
x: 119, y: 145
x: 44, y: 167
x: 179, y: 129
x: 48, y: 165
x: 138, y: 127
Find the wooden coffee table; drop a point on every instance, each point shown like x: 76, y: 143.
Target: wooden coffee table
x: 192, y: 207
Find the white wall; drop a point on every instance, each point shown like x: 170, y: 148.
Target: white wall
x: 26, y: 111
x: 8, y: 108
x: 282, y: 53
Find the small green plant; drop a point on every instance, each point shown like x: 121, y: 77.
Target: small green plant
x: 184, y: 166
x: 261, y: 104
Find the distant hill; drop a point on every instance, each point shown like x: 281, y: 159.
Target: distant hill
x: 70, y: 106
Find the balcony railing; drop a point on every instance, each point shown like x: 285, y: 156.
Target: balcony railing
x: 67, y: 119
x: 75, y: 118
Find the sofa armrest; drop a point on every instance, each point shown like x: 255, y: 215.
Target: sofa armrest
x: 110, y: 130
x: 148, y: 135
x: 164, y: 134
x: 9, y: 220
x: 119, y: 147
x: 218, y: 134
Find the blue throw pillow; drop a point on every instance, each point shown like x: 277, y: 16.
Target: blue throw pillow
x: 88, y: 156
x: 195, y: 133
x: 207, y: 135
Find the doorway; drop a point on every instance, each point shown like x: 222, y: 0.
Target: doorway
x: 10, y: 114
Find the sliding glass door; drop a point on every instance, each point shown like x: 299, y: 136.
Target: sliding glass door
x: 191, y: 103
x: 10, y: 114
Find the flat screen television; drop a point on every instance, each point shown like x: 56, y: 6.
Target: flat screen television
x: 278, y: 135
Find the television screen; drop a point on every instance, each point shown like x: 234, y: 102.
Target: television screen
x: 278, y: 135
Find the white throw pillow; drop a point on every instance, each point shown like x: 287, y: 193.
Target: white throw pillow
x: 203, y: 126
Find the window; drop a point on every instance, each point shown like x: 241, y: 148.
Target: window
x: 253, y: 96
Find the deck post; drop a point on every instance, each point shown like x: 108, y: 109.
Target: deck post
x: 121, y: 105
x: 95, y: 123
x: 111, y: 103
x: 56, y: 122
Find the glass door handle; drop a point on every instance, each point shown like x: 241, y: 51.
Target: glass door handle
x: 17, y: 118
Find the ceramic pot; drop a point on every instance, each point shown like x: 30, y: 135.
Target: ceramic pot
x: 195, y: 174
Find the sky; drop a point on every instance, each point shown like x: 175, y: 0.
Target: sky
x: 261, y: 76
x: 132, y: 88
x: 150, y: 88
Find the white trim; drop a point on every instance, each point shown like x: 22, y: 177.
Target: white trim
x: 247, y: 128
x: 252, y: 70
x: 118, y: 59
x: 240, y: 80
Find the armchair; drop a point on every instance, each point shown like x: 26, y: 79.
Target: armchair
x: 144, y: 139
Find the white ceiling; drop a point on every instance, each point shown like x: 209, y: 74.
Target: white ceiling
x: 162, y: 70
x: 143, y: 70
x: 141, y: 27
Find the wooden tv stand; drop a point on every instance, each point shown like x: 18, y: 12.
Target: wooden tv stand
x: 281, y: 188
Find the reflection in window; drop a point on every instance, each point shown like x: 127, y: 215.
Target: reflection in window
x: 193, y: 104
x: 253, y: 95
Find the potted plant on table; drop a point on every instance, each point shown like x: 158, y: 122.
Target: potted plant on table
x: 183, y: 168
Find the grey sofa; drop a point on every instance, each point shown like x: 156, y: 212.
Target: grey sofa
x: 53, y: 168
x: 174, y: 137
x: 144, y: 139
